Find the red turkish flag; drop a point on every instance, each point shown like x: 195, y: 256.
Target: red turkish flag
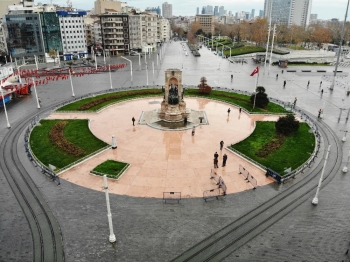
x: 256, y: 71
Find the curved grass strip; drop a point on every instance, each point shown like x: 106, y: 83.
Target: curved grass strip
x: 295, y: 150
x: 238, y: 99
x: 75, y: 131
x: 110, y: 168
x: 57, y: 138
x: 95, y: 103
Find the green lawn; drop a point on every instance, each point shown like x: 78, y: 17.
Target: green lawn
x: 237, y: 99
x: 111, y: 168
x: 116, y: 97
x: 76, y: 132
x: 295, y: 151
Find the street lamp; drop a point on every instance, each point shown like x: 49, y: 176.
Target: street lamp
x: 71, y: 82
x: 110, y: 76
x: 130, y: 66
x: 19, y: 72
x: 3, y: 102
x: 147, y: 74
x: 36, y: 94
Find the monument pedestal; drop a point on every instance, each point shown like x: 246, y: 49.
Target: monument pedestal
x: 172, y: 112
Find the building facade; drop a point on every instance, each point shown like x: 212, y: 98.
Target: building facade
x: 72, y: 29
x: 207, y: 22
x: 101, y: 6
x: 51, y: 32
x: 288, y: 12
x: 24, y: 36
x: 167, y: 10
x: 115, y: 33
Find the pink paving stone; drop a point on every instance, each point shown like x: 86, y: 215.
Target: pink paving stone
x: 163, y: 161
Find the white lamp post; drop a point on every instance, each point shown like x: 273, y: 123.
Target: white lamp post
x: 112, y: 237
x: 71, y: 82
x: 153, y: 70
x: 130, y: 66
x: 157, y: 58
x: 36, y: 62
x: 95, y: 62
x: 36, y: 94
x: 139, y: 60
x: 3, y: 102
x: 110, y: 76
x: 315, y: 200
x: 147, y: 74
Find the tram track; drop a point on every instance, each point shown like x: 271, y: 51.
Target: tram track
x: 221, y: 244
x: 46, y: 233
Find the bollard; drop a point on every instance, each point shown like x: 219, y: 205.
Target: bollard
x: 193, y: 131
x: 114, y: 142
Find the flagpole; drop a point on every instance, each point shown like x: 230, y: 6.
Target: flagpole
x: 256, y: 85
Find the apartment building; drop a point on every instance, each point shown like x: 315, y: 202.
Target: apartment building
x: 115, y: 33
x: 207, y: 22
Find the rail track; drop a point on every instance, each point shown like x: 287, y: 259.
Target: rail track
x: 221, y: 244
x: 46, y: 233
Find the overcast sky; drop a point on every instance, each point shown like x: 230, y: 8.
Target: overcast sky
x: 326, y: 9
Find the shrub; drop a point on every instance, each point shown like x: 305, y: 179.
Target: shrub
x: 287, y: 125
x: 261, y: 99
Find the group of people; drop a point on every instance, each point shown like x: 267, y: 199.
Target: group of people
x: 216, y: 157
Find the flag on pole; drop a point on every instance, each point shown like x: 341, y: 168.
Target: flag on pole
x: 256, y: 71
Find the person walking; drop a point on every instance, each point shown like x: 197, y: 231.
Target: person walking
x: 231, y: 78
x: 216, y: 155
x: 39, y: 100
x: 319, y: 113
x: 308, y: 83
x: 193, y: 131
x: 221, y: 145
x: 216, y: 163
x: 284, y: 83
x: 321, y: 92
x: 240, y: 110
x: 228, y: 111
x: 320, y: 83
x: 276, y: 76
x: 224, y: 159
x: 133, y: 120
x: 295, y: 102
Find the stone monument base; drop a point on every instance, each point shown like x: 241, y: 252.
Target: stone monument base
x: 172, y: 112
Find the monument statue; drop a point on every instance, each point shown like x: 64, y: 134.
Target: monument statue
x: 173, y: 94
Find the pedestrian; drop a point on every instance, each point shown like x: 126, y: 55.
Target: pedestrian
x: 216, y: 161
x: 320, y: 83
x: 228, y: 111
x: 221, y: 144
x: 39, y: 100
x: 185, y: 120
x: 308, y: 83
x: 295, y: 102
x: 240, y: 109
x: 133, y: 120
x: 284, y: 83
x: 321, y: 92
x: 231, y: 78
x: 282, y: 71
x: 193, y: 131
x: 242, y: 62
x: 319, y: 113
x: 224, y: 158
x: 216, y: 155
x: 276, y: 76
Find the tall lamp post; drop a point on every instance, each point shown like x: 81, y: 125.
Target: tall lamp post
x: 110, y: 76
x: 130, y: 66
x: 36, y: 94
x: 3, y: 102
x: 340, y: 46
x: 112, y: 237
x: 71, y: 82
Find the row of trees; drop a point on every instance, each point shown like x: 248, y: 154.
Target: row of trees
x: 256, y: 31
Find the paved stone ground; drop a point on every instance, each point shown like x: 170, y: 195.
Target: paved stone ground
x: 148, y: 230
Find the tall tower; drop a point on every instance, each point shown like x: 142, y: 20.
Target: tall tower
x: 167, y: 10
x: 288, y: 12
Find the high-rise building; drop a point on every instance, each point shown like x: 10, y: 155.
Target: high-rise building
x: 207, y: 22
x: 167, y: 10
x: 252, y: 14
x: 221, y: 11
x: 209, y: 10
x: 204, y: 10
x: 288, y: 12
x: 261, y: 13
x: 197, y: 13
x: 216, y: 11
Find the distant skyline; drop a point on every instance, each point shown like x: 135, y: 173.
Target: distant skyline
x: 325, y: 9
